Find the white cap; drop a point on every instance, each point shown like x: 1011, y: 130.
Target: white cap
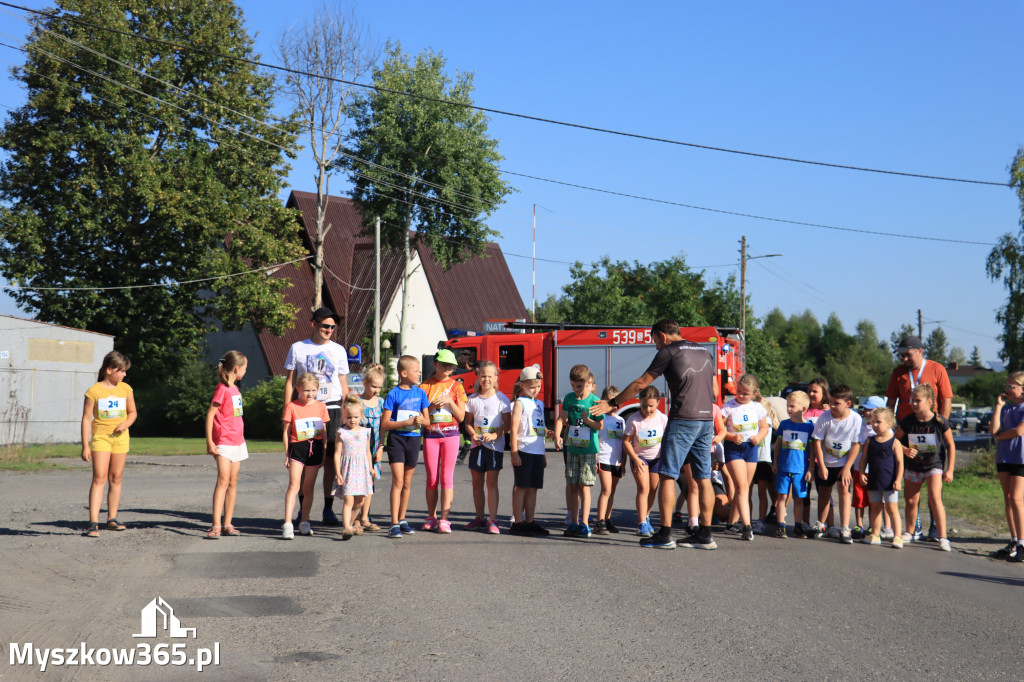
x: 530, y: 373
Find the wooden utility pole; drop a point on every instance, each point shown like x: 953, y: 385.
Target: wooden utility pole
x: 743, y: 285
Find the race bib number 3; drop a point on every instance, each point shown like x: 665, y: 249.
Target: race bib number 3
x: 112, y: 408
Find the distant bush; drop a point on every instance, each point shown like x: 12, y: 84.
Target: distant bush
x: 262, y: 409
x: 176, y: 407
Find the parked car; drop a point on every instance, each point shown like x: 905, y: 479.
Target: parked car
x: 984, y: 421
x: 963, y: 420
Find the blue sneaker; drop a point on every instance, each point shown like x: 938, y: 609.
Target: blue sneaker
x: 582, y: 530
x: 405, y: 527
x: 657, y: 541
x: 645, y: 530
x: 395, y: 532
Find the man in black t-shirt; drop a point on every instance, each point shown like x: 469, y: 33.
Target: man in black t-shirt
x: 689, y: 370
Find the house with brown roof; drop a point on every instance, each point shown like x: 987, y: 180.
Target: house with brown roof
x: 463, y: 297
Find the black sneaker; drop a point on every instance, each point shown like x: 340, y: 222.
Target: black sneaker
x: 780, y: 531
x: 733, y: 528
x: 700, y: 540
x: 747, y: 534
x: 798, y: 530
x: 1011, y: 548
x: 519, y: 529
x: 600, y: 528
x: 857, y: 533
x: 772, y: 517
x: 610, y: 526
x: 658, y: 541
x: 537, y: 529
x: 1017, y: 555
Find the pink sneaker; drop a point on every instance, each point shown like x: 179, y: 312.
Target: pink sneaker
x: 430, y: 523
x: 475, y: 524
x: 492, y: 528
x: 444, y: 526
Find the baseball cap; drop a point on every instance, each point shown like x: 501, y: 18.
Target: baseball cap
x: 446, y: 356
x: 322, y: 314
x: 530, y: 373
x: 873, y: 402
x: 909, y: 343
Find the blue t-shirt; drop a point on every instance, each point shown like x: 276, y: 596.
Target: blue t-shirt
x: 1010, y: 451
x: 796, y: 440
x: 402, y: 402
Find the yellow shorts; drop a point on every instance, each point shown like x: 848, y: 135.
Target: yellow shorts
x: 114, y: 444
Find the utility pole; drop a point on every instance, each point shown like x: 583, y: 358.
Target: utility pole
x: 376, y: 291
x: 743, y: 281
x: 920, y: 325
x: 743, y: 285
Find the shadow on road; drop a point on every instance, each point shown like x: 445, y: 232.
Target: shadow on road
x: 1013, y: 582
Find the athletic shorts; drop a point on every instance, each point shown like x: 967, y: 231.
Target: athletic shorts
x: 833, y: 476
x: 686, y: 441
x: 581, y: 469
x: 783, y: 481
x: 883, y: 496
x: 920, y: 476
x: 1009, y: 468
x: 403, y: 449
x: 529, y: 474
x: 308, y: 453
x: 860, y: 492
x: 484, y: 459
x: 653, y: 465
x: 116, y: 445
x: 234, y: 453
x: 763, y: 472
x: 334, y: 415
x: 746, y: 451
x: 614, y: 469
x: 719, y: 489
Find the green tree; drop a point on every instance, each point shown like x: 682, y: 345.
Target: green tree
x: 1006, y: 262
x: 897, y: 336
x: 982, y: 388
x: 975, y: 357
x: 551, y: 309
x: 423, y: 163
x: 137, y: 164
x: 957, y: 355
x: 936, y: 346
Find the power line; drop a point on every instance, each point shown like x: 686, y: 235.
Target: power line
x: 501, y: 112
x: 439, y: 187
x: 163, y: 285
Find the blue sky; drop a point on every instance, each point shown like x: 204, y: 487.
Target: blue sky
x: 931, y: 88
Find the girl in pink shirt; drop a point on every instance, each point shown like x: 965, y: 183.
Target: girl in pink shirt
x: 225, y: 440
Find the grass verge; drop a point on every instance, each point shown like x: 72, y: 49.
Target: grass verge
x: 33, y: 457
x: 975, y: 495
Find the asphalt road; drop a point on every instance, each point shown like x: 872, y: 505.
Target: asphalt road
x: 474, y: 606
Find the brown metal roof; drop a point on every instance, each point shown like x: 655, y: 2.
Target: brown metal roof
x: 474, y: 291
x: 349, y: 281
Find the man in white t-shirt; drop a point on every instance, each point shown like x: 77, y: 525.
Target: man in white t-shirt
x: 328, y: 360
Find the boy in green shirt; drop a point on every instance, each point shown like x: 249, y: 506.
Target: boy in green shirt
x: 582, y: 446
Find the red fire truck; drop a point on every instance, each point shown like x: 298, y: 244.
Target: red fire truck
x: 616, y: 355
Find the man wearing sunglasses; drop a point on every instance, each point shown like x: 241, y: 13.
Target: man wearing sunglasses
x: 328, y: 360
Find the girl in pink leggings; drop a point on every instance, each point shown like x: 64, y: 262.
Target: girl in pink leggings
x: 441, y: 438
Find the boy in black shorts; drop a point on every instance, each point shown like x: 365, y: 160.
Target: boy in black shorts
x: 403, y: 413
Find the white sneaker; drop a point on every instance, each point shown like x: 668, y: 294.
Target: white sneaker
x: 888, y: 534
x: 304, y: 528
x: 759, y: 527
x: 944, y: 545
x: 287, y: 532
